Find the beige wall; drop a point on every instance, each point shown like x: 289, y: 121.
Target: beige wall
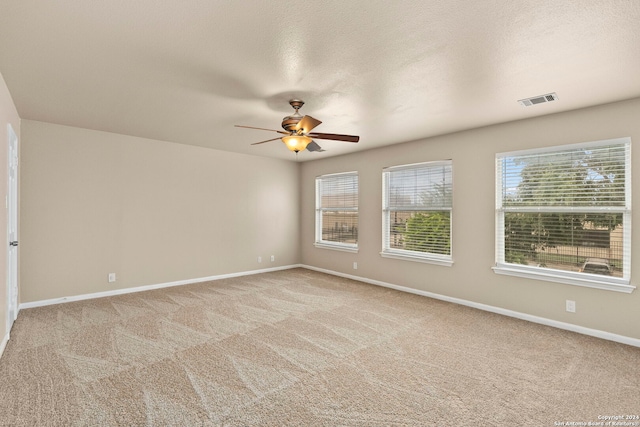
x: 152, y: 212
x: 8, y: 115
x: 471, y: 278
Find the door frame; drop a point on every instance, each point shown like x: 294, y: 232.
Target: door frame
x: 12, y: 227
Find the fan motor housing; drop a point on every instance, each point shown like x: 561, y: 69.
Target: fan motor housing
x: 289, y: 123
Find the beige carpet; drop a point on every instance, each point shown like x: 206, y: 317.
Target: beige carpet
x: 301, y: 348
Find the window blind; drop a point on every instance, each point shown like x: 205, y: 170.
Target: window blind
x: 577, y: 178
x: 337, y: 209
x: 417, y: 204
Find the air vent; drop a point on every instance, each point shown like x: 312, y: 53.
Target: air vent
x: 528, y: 102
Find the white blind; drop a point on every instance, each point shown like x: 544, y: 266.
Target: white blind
x: 337, y: 209
x: 339, y: 191
x: 578, y: 177
x: 566, y: 208
x: 419, y: 187
x: 417, y: 204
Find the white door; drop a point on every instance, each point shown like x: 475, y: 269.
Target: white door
x: 12, y: 228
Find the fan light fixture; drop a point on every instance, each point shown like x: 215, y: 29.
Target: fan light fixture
x: 296, y: 142
x: 297, y: 131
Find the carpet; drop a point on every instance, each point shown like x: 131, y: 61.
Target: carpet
x: 302, y: 348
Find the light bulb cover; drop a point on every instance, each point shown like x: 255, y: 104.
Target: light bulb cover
x: 296, y: 143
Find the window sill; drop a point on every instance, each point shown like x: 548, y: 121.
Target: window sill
x: 337, y: 247
x: 578, y: 279
x: 447, y: 262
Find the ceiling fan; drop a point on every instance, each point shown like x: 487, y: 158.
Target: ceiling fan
x: 297, y: 131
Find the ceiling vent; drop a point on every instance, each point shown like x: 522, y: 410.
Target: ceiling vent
x: 528, y: 102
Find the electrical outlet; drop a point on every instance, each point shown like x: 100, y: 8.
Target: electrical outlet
x: 273, y: 258
x: 571, y: 306
x: 355, y: 265
x: 112, y: 277
x: 259, y: 259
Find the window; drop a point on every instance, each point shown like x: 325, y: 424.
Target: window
x: 337, y: 211
x: 416, y: 212
x: 564, y: 214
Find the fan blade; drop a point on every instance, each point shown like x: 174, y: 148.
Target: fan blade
x: 262, y: 142
x: 306, y: 124
x: 335, y: 137
x: 272, y: 130
x: 313, y: 146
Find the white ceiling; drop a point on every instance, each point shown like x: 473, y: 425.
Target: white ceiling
x: 390, y: 71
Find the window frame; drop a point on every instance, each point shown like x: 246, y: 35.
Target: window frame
x: 619, y: 284
x: 404, y: 254
x: 327, y: 244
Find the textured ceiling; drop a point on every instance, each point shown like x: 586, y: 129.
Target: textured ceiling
x: 390, y: 71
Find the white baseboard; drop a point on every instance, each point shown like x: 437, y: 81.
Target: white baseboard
x: 3, y: 344
x: 115, y: 292
x: 523, y: 316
